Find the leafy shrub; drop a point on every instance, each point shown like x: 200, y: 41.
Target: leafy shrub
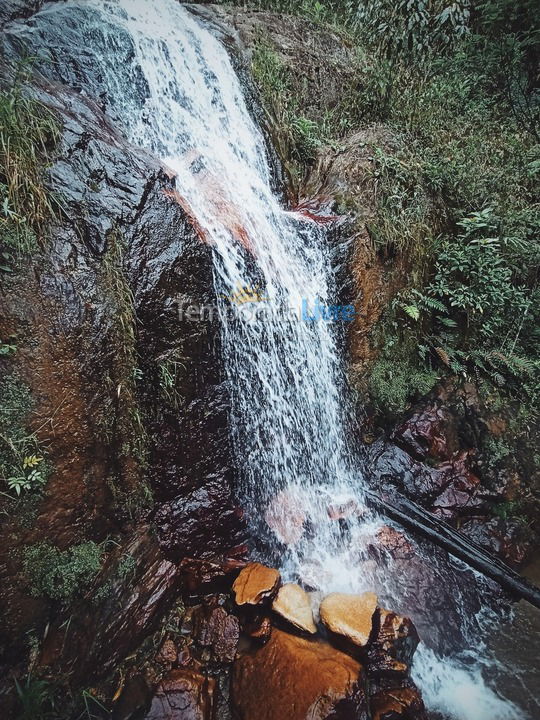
x: 413, y: 27
x: 396, y: 382
x: 62, y: 574
x: 22, y: 463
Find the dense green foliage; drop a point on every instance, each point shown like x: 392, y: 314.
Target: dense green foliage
x: 62, y: 574
x: 458, y: 85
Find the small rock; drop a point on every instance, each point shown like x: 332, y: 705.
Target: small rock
x: 298, y: 679
x: 256, y: 584
x: 391, y: 651
x: 215, y: 629
x: 292, y: 603
x: 392, y: 542
x: 183, y: 695
x: 167, y: 654
x: 349, y: 615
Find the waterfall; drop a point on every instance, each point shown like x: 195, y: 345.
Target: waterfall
x: 171, y: 87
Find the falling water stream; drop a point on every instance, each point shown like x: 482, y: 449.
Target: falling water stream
x: 170, y: 85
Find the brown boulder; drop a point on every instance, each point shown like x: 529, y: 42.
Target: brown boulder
x: 183, y: 695
x: 256, y: 584
x: 293, y: 604
x: 391, y: 650
x: 218, y: 632
x: 349, y: 615
x: 298, y: 679
x: 401, y: 703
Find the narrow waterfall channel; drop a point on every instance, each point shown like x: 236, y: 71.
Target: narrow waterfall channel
x: 169, y: 82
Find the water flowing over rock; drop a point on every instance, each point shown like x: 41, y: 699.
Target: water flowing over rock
x: 299, y: 679
x: 349, y: 615
x: 256, y: 585
x: 191, y: 218
x: 293, y: 604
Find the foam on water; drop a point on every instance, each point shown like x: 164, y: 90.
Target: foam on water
x: 172, y: 86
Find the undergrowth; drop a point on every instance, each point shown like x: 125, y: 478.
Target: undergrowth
x: 28, y: 133
x: 122, y: 420
x: 23, y: 465
x: 457, y: 197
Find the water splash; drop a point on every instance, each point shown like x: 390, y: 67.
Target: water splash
x: 169, y: 83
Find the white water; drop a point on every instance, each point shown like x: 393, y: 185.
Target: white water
x: 177, y: 94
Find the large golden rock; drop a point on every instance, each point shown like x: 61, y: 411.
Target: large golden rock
x: 349, y: 615
x: 298, y: 679
x: 256, y: 584
x: 292, y: 603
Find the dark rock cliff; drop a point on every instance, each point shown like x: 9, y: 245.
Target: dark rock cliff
x: 128, y: 396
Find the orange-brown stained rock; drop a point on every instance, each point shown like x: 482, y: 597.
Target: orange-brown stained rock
x: 256, y: 584
x: 293, y: 604
x: 349, y: 615
x: 298, y: 679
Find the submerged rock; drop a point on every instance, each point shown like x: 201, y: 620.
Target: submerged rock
x: 183, y: 695
x: 256, y: 584
x: 349, y: 615
x: 298, y: 679
x: 293, y: 604
x: 286, y: 516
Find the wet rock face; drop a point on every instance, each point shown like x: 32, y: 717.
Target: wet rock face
x: 204, y: 522
x: 299, y: 679
x: 100, y: 313
x: 427, y: 459
x: 430, y: 432
x: 92, y: 638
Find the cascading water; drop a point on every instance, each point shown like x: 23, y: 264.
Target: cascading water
x: 170, y: 84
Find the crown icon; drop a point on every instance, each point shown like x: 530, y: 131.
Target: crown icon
x: 246, y: 294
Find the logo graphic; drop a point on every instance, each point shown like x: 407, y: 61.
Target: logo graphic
x: 246, y: 294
